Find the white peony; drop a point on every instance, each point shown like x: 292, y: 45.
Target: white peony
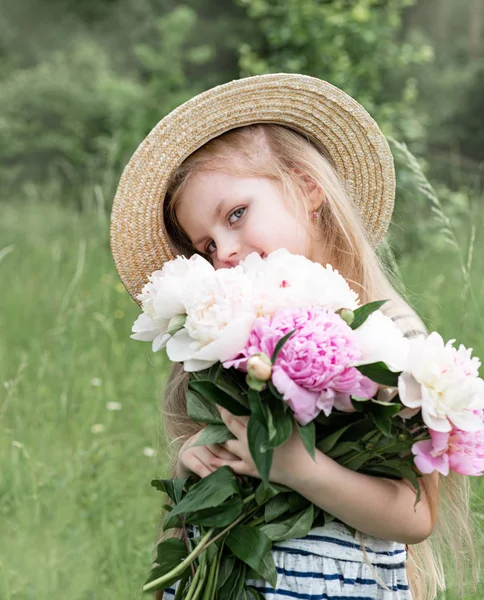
x: 444, y: 383
x: 220, y: 315
x: 381, y: 340
x: 285, y: 280
x: 165, y: 296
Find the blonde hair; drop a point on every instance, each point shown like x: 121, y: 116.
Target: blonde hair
x: 291, y: 160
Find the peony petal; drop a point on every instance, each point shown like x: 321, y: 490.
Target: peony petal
x: 302, y: 402
x: 231, y: 341
x: 325, y: 401
x: 427, y: 463
x: 409, y: 390
x: 408, y: 413
x: 192, y: 365
x: 440, y: 440
x: 467, y: 420
x: 463, y: 464
x: 342, y: 402
x: 435, y: 423
x: 181, y: 346
x: 160, y: 341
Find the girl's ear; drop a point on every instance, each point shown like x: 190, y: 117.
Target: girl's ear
x: 315, y: 193
x: 316, y: 198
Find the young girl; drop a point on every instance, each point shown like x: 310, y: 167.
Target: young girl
x: 246, y: 169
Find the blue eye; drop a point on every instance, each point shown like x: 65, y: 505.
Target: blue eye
x: 210, y: 247
x: 236, y: 215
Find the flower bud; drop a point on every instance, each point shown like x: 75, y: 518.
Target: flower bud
x: 259, y: 366
x: 175, y: 324
x: 347, y: 315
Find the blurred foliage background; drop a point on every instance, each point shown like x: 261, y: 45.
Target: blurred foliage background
x: 81, y: 84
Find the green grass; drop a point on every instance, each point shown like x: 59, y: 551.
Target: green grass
x: 77, y: 513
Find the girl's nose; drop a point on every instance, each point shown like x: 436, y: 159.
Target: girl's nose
x: 228, y: 252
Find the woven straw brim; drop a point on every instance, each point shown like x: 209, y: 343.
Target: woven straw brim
x: 351, y: 137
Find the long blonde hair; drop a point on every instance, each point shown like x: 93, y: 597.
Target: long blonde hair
x: 291, y: 159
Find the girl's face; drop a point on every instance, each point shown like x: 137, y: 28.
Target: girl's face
x: 228, y: 217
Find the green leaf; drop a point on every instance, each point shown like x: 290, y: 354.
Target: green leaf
x: 169, y: 554
x: 253, y: 594
x: 274, y: 391
x: 356, y: 462
x: 226, y: 568
x: 276, y: 507
x: 170, y: 521
x: 201, y: 410
x: 217, y: 516
x: 308, y: 436
x: 210, y: 491
x: 343, y: 448
x: 383, y: 409
x: 280, y: 345
x: 214, y: 434
x: 264, y: 493
x: 384, y: 424
x: 250, y: 545
x: 363, y: 312
x: 280, y: 424
x: 257, y: 409
x: 257, y: 437
x: 297, y: 502
x: 268, y: 570
x: 226, y: 380
x: 295, y: 526
x: 327, y: 443
x: 234, y: 583
x: 173, y: 488
x: 211, y: 392
x: 379, y: 373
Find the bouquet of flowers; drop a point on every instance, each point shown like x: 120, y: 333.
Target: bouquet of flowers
x: 286, y: 342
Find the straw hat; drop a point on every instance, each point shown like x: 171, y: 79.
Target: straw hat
x: 351, y: 137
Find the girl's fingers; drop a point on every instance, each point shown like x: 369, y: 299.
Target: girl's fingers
x: 236, y: 425
x: 239, y: 467
x: 198, y: 460
x: 222, y: 452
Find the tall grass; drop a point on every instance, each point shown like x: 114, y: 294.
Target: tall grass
x: 79, y: 417
x: 77, y: 513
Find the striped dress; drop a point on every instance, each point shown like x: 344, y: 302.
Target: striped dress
x: 330, y: 562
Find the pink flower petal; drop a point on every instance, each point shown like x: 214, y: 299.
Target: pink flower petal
x: 302, y: 402
x: 464, y: 464
x: 440, y: 440
x: 425, y: 462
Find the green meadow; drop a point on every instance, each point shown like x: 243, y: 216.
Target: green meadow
x: 80, y: 421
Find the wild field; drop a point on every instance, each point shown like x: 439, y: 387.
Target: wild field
x: 80, y: 427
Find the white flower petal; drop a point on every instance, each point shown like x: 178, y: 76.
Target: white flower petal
x: 409, y: 390
x: 466, y: 420
x: 435, y: 423
x: 181, y: 346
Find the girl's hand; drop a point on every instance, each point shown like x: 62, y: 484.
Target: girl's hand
x: 198, y: 459
x: 286, y: 459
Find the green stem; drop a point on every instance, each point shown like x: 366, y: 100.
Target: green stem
x: 215, y: 580
x: 202, y: 545
x: 180, y: 589
x: 256, y: 522
x: 197, y: 582
x: 210, y: 579
x: 182, y: 566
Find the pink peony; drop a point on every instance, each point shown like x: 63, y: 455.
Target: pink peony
x: 457, y: 450
x: 313, y: 371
